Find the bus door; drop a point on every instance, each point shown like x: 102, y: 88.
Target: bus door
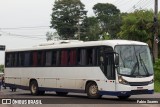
x: 109, y: 70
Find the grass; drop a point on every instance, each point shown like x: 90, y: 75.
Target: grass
x: 157, y: 86
x: 157, y: 76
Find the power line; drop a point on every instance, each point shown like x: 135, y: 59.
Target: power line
x: 148, y: 4
x: 123, y: 3
x: 120, y: 2
x: 142, y: 4
x: 33, y: 27
x: 22, y: 36
x: 139, y: 3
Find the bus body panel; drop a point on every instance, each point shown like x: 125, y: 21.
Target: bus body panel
x: 56, y: 78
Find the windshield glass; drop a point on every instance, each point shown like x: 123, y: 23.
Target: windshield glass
x: 134, y: 60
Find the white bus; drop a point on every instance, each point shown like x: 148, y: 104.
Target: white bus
x: 112, y: 67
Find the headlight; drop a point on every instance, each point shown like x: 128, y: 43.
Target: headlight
x: 150, y: 82
x: 122, y: 81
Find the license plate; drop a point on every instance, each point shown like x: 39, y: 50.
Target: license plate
x: 140, y: 88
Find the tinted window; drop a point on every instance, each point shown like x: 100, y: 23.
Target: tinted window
x: 27, y: 59
x: 72, y: 57
x: 64, y: 57
x: 21, y: 59
x: 35, y: 59
x: 48, y: 58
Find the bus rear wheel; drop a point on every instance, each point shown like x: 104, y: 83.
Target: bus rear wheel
x: 34, y: 88
x: 92, y: 90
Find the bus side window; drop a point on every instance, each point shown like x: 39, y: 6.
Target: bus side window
x: 12, y: 60
x: 15, y: 59
x: 21, y: 59
x: 54, y: 55
x: 27, y: 59
x: 34, y: 58
x: 101, y: 58
x: 94, y: 57
x: 58, y: 58
x: 8, y: 59
x: 64, y: 57
x: 72, y: 58
x: 89, y: 56
x: 48, y: 58
x: 83, y: 57
x: 40, y: 58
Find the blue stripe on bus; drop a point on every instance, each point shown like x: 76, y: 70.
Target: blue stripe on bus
x: 45, y: 88
x: 125, y: 93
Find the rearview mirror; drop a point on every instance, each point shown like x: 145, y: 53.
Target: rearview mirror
x: 116, y: 61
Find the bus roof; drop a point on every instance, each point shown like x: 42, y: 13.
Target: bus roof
x: 68, y: 44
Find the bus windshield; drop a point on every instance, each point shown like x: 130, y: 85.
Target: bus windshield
x: 134, y: 61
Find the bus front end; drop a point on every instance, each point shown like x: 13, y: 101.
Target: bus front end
x: 134, y: 71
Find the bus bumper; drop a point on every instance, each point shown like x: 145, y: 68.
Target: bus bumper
x: 125, y: 93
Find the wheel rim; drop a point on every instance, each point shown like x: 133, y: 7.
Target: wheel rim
x: 33, y: 88
x: 93, y: 89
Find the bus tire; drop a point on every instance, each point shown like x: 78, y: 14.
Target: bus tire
x: 92, y: 90
x: 123, y: 97
x: 62, y: 93
x: 34, y: 87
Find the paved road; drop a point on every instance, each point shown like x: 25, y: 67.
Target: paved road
x: 77, y: 100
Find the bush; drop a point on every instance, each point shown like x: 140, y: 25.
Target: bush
x: 157, y: 75
x: 1, y: 68
x: 156, y: 86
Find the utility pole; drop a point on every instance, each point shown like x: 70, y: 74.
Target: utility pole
x: 156, y: 39
x: 79, y: 31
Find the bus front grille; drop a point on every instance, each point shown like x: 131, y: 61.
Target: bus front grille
x: 138, y: 83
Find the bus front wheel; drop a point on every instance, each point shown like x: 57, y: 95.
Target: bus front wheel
x: 92, y: 90
x: 34, y: 87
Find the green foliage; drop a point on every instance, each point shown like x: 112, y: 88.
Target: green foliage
x: 157, y: 75
x: 105, y: 9
x: 157, y: 70
x: 157, y: 86
x: 66, y: 16
x: 106, y: 36
x: 51, y: 36
x: 137, y: 26
x: 91, y: 29
x: 109, y: 18
x: 1, y: 68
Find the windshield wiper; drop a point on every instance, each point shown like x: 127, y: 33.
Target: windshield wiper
x: 122, y: 59
x: 135, y: 66
x: 143, y: 65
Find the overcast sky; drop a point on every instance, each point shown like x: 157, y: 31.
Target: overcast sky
x: 36, y: 16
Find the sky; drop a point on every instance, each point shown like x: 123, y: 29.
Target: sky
x: 24, y: 23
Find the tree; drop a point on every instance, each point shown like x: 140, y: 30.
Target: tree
x: 91, y: 29
x: 138, y: 26
x: 66, y: 17
x: 109, y: 18
x: 52, y: 36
